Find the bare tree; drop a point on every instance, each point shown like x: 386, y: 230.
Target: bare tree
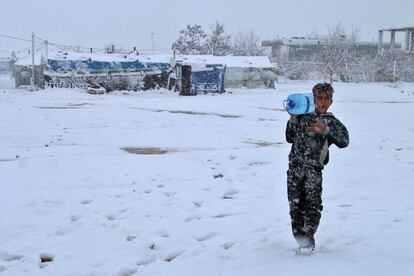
x: 338, y: 49
x: 247, y: 44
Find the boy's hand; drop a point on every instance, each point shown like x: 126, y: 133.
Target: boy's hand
x: 293, y: 117
x: 317, y: 127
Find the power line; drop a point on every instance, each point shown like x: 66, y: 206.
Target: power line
x: 14, y: 37
x: 74, y: 46
x: 51, y: 43
x: 44, y: 40
x: 71, y: 46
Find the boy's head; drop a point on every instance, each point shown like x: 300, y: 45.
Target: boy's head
x: 322, y: 92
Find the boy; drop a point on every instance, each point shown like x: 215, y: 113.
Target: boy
x: 311, y: 135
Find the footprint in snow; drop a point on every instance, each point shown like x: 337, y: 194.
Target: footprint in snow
x: 229, y: 194
x: 74, y: 218
x: 86, y: 201
x: 206, y: 236
x: 55, y: 202
x: 146, y: 261
x: 221, y: 215
x: 197, y: 203
x: 4, y: 256
x: 131, y: 237
x: 126, y: 272
x: 62, y: 230
x: 169, y: 194
x: 109, y: 225
x: 45, y: 259
x: 228, y: 245
x: 396, y: 220
x: 121, y: 211
x: 191, y: 218
x: 163, y: 234
x: 111, y: 217
x: 172, y: 255
x: 219, y: 175
x: 261, y: 229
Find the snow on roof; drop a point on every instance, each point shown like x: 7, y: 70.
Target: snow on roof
x: 55, y: 54
x: 316, y: 40
x: 113, y: 57
x: 229, y: 61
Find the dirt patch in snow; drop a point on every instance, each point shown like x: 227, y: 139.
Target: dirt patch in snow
x: 68, y: 106
x: 190, y: 112
x: 261, y: 144
x: 58, y: 107
x: 147, y: 151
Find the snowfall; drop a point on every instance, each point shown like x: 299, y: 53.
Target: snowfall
x: 153, y: 183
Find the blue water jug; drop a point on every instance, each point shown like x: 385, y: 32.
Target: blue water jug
x: 299, y: 103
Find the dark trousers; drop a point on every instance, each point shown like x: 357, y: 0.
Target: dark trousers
x: 305, y: 199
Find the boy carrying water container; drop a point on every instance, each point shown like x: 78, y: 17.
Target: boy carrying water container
x: 311, y: 135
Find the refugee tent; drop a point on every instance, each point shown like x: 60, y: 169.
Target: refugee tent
x: 241, y: 71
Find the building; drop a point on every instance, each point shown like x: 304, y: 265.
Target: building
x: 306, y: 48
x: 132, y: 71
x: 408, y: 42
x: 241, y: 71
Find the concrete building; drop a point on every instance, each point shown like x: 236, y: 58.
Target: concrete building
x: 408, y: 42
x: 306, y: 48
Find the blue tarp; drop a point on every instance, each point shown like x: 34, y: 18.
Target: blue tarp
x: 85, y: 67
x: 207, y: 79
x: 210, y: 80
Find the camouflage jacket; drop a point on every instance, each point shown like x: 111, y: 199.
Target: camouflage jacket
x: 312, y: 150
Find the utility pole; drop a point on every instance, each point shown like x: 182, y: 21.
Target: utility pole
x: 33, y: 68
x: 152, y: 43
x: 46, y: 50
x: 395, y: 70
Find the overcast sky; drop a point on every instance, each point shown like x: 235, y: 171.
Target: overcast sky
x: 128, y: 23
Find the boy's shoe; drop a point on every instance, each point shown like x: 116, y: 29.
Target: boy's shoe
x: 311, y: 241
x: 306, y: 241
x: 302, y: 251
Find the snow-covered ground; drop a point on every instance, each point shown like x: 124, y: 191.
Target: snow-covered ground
x: 215, y: 203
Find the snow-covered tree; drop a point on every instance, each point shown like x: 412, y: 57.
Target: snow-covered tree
x: 247, y: 44
x: 218, y: 41
x: 294, y: 69
x: 192, y: 41
x: 337, y: 51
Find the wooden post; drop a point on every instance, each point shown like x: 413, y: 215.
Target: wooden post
x: 392, y: 40
x: 395, y: 70
x: 380, y: 36
x: 411, y: 41
x: 185, y: 89
x: 46, y: 50
x: 407, y: 40
x: 33, y: 65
